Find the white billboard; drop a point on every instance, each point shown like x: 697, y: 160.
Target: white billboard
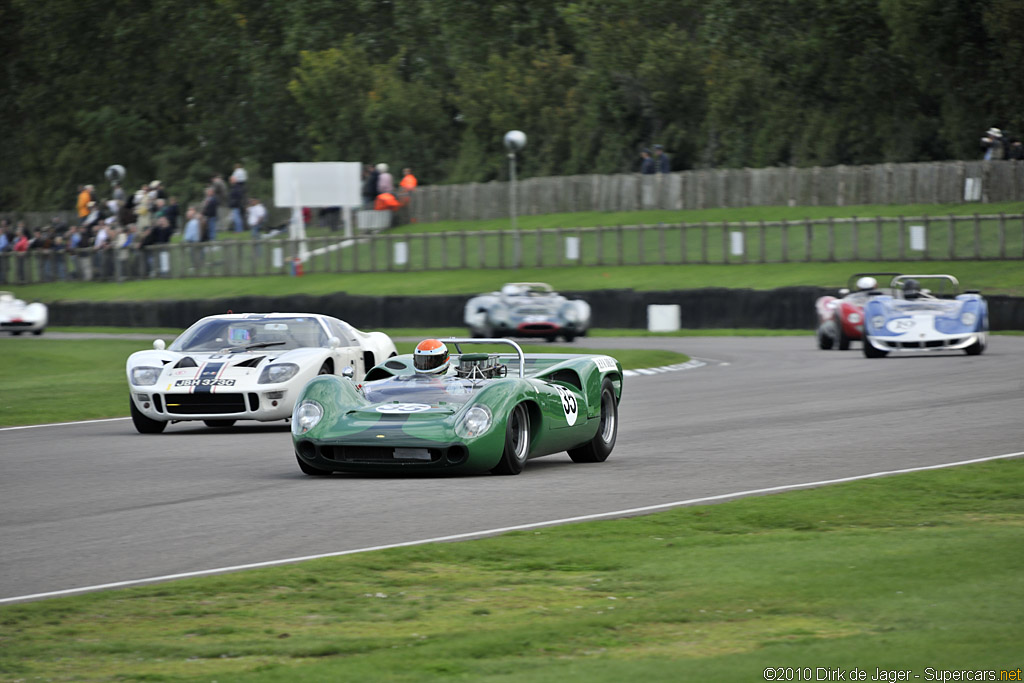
x: 318, y: 183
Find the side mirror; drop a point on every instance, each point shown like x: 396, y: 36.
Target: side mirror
x: 159, y: 344
x: 348, y: 372
x: 333, y: 342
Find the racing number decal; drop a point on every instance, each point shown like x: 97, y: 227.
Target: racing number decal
x: 402, y: 408
x: 569, y: 404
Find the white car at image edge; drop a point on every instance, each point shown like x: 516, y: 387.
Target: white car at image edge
x: 244, y: 366
x: 16, y: 316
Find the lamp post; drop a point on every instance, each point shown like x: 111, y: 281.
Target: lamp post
x: 515, y: 140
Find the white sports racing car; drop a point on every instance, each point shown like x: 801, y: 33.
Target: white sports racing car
x: 248, y: 366
x: 16, y: 316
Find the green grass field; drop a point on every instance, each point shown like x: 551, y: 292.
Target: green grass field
x: 85, y: 379
x: 901, y: 573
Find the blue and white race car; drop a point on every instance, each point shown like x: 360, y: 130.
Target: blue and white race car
x: 914, y: 320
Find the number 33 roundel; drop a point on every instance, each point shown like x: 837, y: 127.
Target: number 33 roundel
x: 569, y: 405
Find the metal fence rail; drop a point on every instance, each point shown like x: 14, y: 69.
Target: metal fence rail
x: 915, y: 238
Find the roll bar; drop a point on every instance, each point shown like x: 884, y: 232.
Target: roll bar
x: 465, y: 340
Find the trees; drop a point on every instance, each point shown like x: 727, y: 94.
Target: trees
x: 179, y: 91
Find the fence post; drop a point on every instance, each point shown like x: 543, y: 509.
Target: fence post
x: 640, y: 230
x: 600, y: 245
x: 618, y: 234
x: 704, y: 242
x: 481, y: 254
x: 725, y: 242
x: 785, y: 241
x: 951, y: 238
x: 661, y: 243
x: 426, y: 251
x: 927, y: 224
x: 444, y: 250
x: 856, y: 239
x: 540, y: 248
x: 977, y: 238
x: 808, y: 239
x: 1002, y: 235
x: 764, y: 238
x: 878, y: 238
x: 902, y: 240
x: 831, y: 240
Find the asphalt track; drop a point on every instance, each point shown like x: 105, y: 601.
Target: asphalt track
x: 96, y: 503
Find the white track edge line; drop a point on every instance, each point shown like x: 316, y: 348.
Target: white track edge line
x: 64, y: 424
x: 494, y: 532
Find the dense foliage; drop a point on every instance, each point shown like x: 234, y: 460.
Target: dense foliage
x: 176, y: 90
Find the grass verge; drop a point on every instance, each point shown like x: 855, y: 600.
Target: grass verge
x: 85, y: 379
x: 901, y: 573
x: 991, y: 277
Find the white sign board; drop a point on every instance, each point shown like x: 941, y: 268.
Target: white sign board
x: 401, y: 253
x: 318, y: 183
x: 972, y: 189
x: 572, y: 248
x: 917, y: 237
x: 663, y: 317
x: 736, y: 243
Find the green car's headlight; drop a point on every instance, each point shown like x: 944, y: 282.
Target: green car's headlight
x: 281, y: 372
x: 474, y: 422
x: 144, y: 376
x: 307, y: 414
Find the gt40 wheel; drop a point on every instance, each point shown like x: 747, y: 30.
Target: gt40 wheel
x: 517, y: 442
x: 143, y: 424
x: 600, y: 447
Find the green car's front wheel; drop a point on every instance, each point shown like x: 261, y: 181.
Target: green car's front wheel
x: 309, y: 469
x: 600, y: 447
x: 517, y: 442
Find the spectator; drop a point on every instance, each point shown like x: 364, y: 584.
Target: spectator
x: 157, y: 191
x: 1016, y: 150
x: 220, y: 188
x: 662, y: 164
x: 5, y: 248
x: 83, y: 253
x: 123, y: 250
x: 209, y: 212
x: 409, y: 182
x: 84, y: 197
x: 161, y: 231
x: 387, y: 202
x: 370, y: 175
x: 172, y: 212
x: 239, y: 175
x: 117, y: 193
x: 993, y: 144
x: 385, y: 183
x: 256, y: 216
x: 193, y: 235
x: 143, y: 206
x: 646, y: 162
x: 236, y: 200
x: 20, y: 249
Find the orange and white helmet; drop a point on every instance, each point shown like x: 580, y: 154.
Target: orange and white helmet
x: 431, y: 357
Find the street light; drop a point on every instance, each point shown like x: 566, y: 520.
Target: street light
x: 515, y: 140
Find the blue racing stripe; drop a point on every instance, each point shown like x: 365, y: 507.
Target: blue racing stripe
x: 209, y: 371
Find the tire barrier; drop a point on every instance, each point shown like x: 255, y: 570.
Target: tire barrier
x: 709, y: 308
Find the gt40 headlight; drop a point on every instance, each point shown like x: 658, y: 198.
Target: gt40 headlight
x: 474, y: 422
x: 144, y: 376
x: 499, y: 314
x: 854, y: 318
x: 968, y: 319
x: 877, y: 321
x: 571, y: 314
x: 307, y: 414
x: 280, y: 372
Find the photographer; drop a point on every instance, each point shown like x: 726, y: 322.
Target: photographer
x: 994, y: 145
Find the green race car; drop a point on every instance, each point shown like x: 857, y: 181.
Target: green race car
x: 481, y: 412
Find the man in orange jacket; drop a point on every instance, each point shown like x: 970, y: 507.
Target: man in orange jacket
x: 409, y: 181
x: 387, y: 202
x: 84, y: 197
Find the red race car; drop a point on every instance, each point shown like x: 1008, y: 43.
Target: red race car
x: 841, y: 319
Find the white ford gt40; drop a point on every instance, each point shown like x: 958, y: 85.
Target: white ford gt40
x: 245, y: 367
x: 16, y: 316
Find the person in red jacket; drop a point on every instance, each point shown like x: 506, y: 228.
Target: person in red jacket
x: 387, y: 202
